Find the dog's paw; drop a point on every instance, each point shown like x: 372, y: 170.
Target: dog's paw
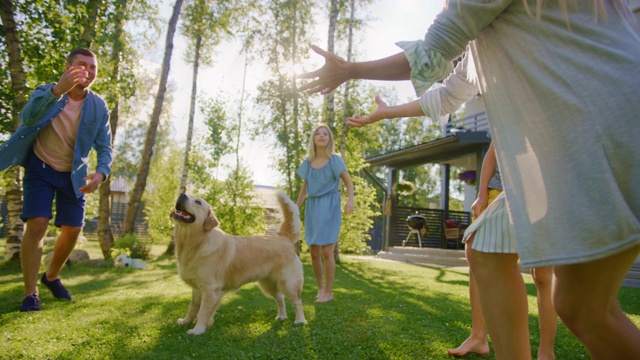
x: 303, y: 321
x: 198, y: 330
x: 184, y: 321
x: 281, y: 317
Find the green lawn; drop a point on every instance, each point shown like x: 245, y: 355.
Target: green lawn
x: 382, y: 310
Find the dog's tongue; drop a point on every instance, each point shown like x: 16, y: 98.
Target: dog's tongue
x: 171, y: 214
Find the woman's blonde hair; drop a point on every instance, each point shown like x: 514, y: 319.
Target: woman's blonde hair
x: 330, y: 150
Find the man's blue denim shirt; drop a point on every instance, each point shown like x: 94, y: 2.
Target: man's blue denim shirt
x: 93, y: 131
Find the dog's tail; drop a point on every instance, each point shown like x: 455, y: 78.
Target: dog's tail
x: 291, y: 226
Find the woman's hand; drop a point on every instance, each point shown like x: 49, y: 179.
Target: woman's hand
x: 326, y: 79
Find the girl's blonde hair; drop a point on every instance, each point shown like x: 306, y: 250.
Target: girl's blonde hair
x: 330, y: 150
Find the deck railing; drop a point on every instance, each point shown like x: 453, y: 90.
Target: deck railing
x: 475, y: 122
x: 435, y: 236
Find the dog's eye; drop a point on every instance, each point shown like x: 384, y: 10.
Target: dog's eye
x: 198, y: 202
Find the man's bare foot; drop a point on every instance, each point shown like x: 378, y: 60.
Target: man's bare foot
x: 471, y: 346
x: 325, y: 298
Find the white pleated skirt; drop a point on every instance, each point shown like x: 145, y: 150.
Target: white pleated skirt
x: 494, y: 231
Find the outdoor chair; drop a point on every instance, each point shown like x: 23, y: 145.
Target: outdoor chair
x: 453, y: 232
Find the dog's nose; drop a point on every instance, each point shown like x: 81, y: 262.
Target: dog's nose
x: 181, y: 199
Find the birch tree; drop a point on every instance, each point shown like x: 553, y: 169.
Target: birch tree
x: 38, y: 28
x: 206, y: 24
x: 13, y: 177
x: 143, y: 172
x: 288, y: 114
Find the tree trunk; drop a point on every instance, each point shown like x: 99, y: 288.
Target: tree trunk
x: 89, y: 32
x: 105, y: 236
x: 329, y: 99
x: 18, y: 89
x: 15, y: 228
x: 345, y: 112
x: 147, y: 152
x: 192, y: 111
x: 171, y: 248
x: 296, y: 104
x: 240, y: 112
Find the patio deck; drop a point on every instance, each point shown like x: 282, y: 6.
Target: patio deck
x: 425, y: 256
x: 455, y: 258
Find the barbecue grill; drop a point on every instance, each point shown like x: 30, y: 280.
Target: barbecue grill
x: 417, y: 226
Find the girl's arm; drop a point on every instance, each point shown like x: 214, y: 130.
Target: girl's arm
x: 303, y: 194
x: 349, y: 207
x: 458, y: 88
x: 488, y: 170
x: 385, y: 111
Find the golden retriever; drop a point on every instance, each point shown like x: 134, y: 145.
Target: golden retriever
x: 213, y: 262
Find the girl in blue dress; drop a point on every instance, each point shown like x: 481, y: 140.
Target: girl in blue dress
x: 321, y: 173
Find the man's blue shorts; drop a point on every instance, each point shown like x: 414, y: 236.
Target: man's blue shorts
x: 40, y: 184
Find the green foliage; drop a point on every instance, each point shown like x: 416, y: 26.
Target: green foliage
x: 162, y: 192
x: 6, y: 95
x: 405, y: 188
x: 130, y: 245
x: 236, y: 206
x: 49, y: 29
x: 203, y: 169
x: 219, y: 136
x: 205, y: 24
x: 287, y: 113
x: 133, y: 126
x: 354, y: 232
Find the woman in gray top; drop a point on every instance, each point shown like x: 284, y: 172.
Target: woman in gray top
x: 560, y: 86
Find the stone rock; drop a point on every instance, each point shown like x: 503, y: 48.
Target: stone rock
x: 77, y: 256
x: 50, y: 240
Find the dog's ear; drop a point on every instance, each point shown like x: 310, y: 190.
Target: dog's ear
x: 211, y: 221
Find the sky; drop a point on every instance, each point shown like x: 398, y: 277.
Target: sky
x: 394, y: 20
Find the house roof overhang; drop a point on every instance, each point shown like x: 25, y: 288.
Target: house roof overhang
x: 437, y: 151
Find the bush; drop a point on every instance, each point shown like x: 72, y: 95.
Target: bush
x: 130, y: 245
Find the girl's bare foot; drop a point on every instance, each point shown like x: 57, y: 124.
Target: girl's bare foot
x: 472, y: 345
x: 325, y: 298
x: 546, y: 356
x: 320, y: 293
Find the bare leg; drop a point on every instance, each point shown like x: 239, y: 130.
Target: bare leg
x: 62, y: 249
x: 476, y: 342
x: 316, y: 264
x: 329, y: 272
x: 504, y: 303
x: 543, y: 278
x: 585, y: 297
x: 31, y: 253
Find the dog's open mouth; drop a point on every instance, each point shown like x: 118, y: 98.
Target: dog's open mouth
x: 182, y: 215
